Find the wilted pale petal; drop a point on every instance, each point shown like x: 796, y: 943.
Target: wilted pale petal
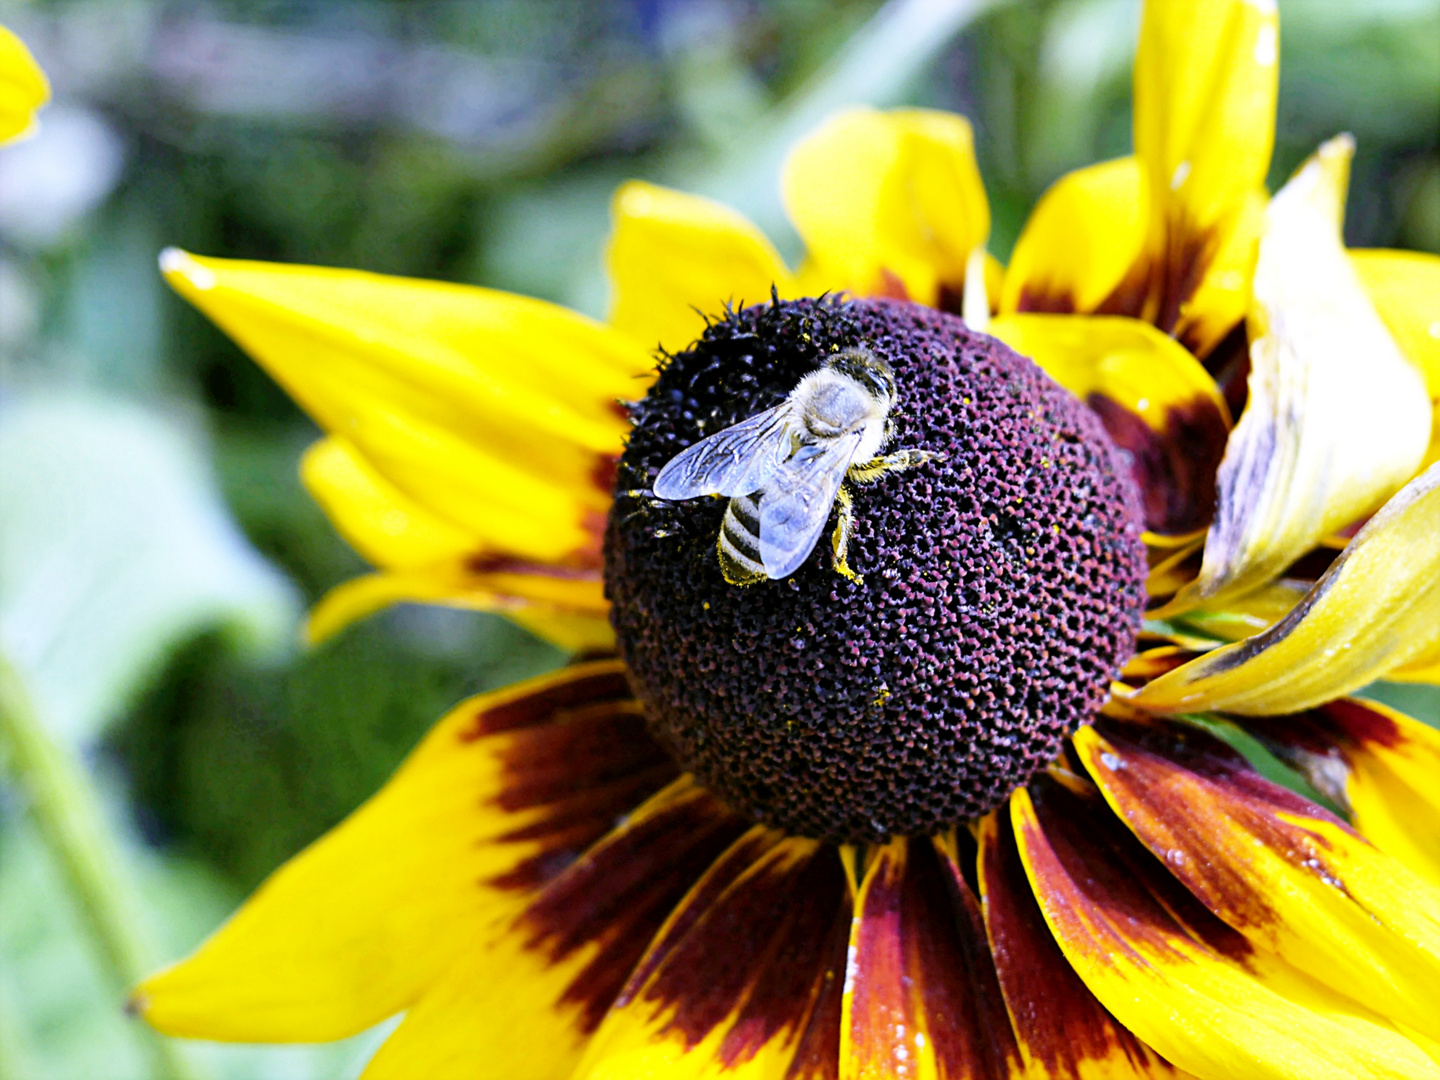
x: 1376, y: 610
x: 1084, y: 234
x: 1206, y: 76
x: 887, y: 199
x: 1337, y: 418
x: 23, y: 88
x: 675, y: 258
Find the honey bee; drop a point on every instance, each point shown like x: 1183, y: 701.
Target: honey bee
x: 782, y: 469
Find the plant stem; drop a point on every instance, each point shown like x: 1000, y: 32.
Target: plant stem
x: 67, y: 815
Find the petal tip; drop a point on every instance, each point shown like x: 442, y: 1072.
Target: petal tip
x: 180, y: 266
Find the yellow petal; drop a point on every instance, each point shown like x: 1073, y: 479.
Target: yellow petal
x: 745, y: 976
x: 495, y: 413
x: 1084, y: 234
x: 1337, y: 419
x: 1286, y: 874
x: 886, y: 197
x: 1176, y: 976
x: 1247, y: 615
x: 1153, y: 397
x: 368, y: 918
x: 676, y: 258
x: 1206, y: 75
x: 1376, y: 609
x: 569, y: 612
x: 374, y: 516
x: 23, y: 88
x: 526, y: 1002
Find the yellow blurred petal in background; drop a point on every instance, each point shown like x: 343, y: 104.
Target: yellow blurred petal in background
x: 1206, y: 77
x: 887, y: 199
x: 675, y: 258
x: 23, y: 88
x: 1084, y: 234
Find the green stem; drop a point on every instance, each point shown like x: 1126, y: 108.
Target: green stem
x: 68, y: 817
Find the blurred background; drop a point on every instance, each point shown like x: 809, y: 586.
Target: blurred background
x: 156, y: 548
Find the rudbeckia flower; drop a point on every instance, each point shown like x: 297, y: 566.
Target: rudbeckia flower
x: 23, y: 88
x: 1064, y: 780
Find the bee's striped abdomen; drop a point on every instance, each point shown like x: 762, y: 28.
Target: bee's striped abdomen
x: 739, y: 542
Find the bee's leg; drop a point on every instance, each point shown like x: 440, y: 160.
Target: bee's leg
x: 872, y: 470
x: 840, y: 539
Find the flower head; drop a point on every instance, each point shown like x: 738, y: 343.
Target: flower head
x: 934, y: 803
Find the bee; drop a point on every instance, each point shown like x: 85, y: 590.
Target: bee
x: 783, y: 469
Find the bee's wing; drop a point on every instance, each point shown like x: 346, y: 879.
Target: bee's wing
x: 796, y: 503
x: 732, y: 462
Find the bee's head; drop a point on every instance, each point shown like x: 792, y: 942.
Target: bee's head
x: 869, y: 370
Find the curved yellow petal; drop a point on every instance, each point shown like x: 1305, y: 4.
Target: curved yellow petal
x: 1286, y: 874
x: 23, y: 88
x: 676, y: 258
x: 887, y: 198
x: 494, y: 412
x: 1177, y: 977
x: 1083, y: 236
x: 1376, y: 609
x: 1221, y: 299
x: 1206, y: 77
x: 1337, y: 419
x: 370, y: 917
x: 569, y: 612
x: 1153, y: 397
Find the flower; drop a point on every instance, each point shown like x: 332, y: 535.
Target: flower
x: 614, y: 870
x: 23, y: 88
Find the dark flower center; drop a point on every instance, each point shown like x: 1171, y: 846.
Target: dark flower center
x: 1002, y: 581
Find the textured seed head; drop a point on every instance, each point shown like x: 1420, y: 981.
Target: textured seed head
x: 1002, y: 582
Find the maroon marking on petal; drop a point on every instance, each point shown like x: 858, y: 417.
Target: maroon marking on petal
x: 758, y: 949
x: 817, y: 1057
x: 1229, y: 363
x: 919, y: 945
x: 1188, y: 254
x: 620, y: 409
x: 1130, y: 295
x: 583, y: 568
x: 1174, y: 467
x: 604, y: 682
x: 1056, y: 1017
x: 606, y: 469
x: 1046, y: 300
x: 1321, y: 743
x: 1100, y: 864
x: 1184, y: 793
x: 1312, y: 565
x: 951, y: 298
x: 621, y: 891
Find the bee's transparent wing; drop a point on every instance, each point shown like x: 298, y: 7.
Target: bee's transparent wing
x: 732, y: 462
x: 796, y: 503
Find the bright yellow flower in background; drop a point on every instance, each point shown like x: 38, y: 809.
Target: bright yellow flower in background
x: 544, y: 891
x: 23, y: 88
